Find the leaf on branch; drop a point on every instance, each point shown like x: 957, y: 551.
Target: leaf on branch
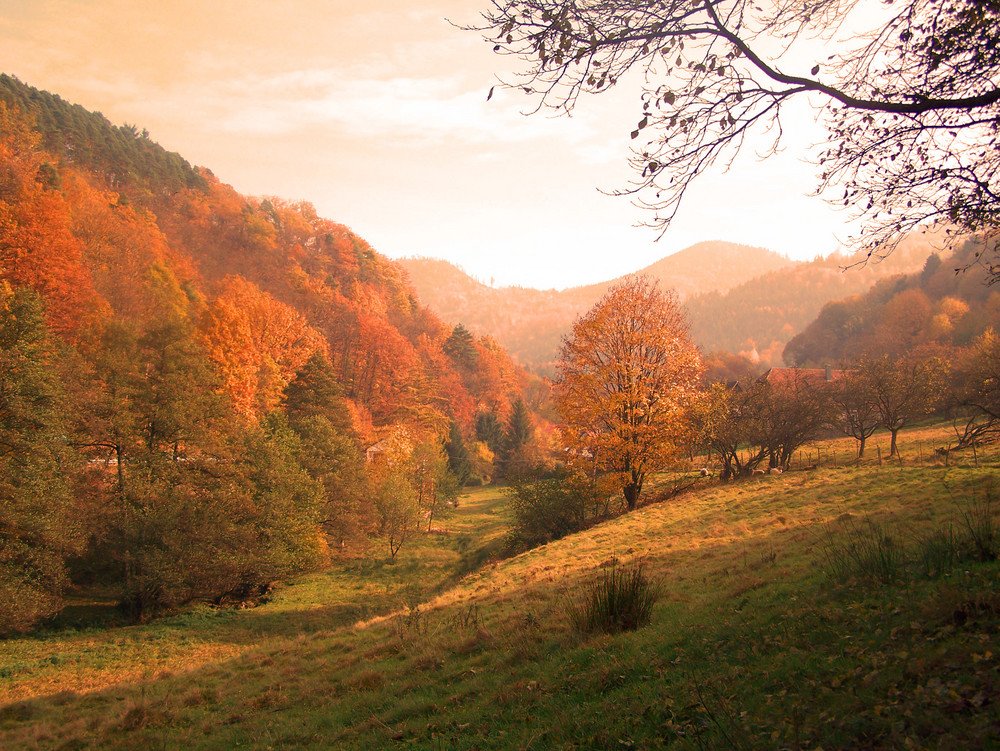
x: 490, y: 95
x: 815, y: 69
x: 635, y: 134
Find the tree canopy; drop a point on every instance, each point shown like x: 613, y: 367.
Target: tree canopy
x: 627, y: 373
x: 909, y: 93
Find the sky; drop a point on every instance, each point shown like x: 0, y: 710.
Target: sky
x: 376, y: 112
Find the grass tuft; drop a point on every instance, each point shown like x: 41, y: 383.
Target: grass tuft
x: 871, y: 551
x: 620, y: 599
x: 981, y: 525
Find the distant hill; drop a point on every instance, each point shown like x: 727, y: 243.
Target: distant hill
x: 759, y: 317
x: 739, y: 298
x: 530, y: 323
x: 934, y: 309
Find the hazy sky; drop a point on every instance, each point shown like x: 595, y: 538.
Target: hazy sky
x: 376, y: 112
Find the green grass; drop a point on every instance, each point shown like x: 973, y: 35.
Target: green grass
x: 753, y: 644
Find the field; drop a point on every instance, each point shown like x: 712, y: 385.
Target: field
x: 846, y: 606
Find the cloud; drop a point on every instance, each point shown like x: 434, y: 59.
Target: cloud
x: 434, y: 109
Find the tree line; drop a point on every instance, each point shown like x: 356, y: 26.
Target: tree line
x: 634, y: 401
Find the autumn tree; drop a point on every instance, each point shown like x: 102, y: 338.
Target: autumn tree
x: 975, y: 398
x: 909, y: 93
x: 627, y: 372
x: 903, y: 389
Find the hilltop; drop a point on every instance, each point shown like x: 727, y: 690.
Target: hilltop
x: 530, y: 323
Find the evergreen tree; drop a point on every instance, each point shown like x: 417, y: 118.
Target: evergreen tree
x: 315, y: 392
x: 461, y: 347
x: 490, y: 431
x: 519, y: 429
x: 459, y: 461
x: 39, y: 527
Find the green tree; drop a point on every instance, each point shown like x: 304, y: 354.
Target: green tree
x: 909, y: 94
x: 200, y: 529
x: 431, y: 478
x: 490, y: 430
x: 315, y: 392
x: 519, y: 430
x: 461, y: 346
x: 330, y: 451
x: 336, y: 461
x: 459, y: 460
x: 398, y: 511
x: 40, y: 526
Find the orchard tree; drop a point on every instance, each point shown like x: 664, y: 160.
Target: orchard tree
x: 909, y: 93
x: 903, y: 390
x: 627, y: 373
x: 855, y: 410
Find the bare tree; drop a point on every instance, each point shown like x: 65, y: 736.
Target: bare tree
x: 908, y: 91
x: 903, y: 390
x: 856, y: 410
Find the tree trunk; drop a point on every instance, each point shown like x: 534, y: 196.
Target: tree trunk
x: 861, y: 448
x: 893, y: 451
x: 631, y: 493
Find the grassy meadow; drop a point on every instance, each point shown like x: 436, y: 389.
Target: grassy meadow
x: 845, y: 606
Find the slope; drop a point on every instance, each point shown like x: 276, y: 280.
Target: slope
x: 757, y: 318
x: 936, y: 309
x: 768, y: 636
x: 109, y: 226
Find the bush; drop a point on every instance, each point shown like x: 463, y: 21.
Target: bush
x: 620, y: 599
x: 549, y: 506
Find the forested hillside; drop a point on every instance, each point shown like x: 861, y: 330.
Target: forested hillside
x: 760, y: 316
x: 531, y: 323
x: 190, y: 377
x: 933, y: 309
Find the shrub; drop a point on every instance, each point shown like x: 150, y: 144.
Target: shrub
x: 544, y: 509
x: 620, y: 599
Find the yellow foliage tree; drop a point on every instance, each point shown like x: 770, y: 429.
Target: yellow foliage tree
x: 627, y: 373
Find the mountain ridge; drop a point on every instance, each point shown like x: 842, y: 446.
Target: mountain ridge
x: 530, y: 322
x: 739, y: 298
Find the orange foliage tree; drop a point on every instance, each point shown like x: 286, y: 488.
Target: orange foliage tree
x: 627, y: 373
x: 257, y: 343
x: 37, y: 246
